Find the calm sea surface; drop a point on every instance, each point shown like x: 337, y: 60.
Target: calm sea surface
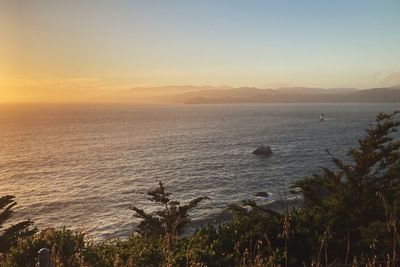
x: 84, y: 166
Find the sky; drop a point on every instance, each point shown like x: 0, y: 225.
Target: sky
x: 54, y: 50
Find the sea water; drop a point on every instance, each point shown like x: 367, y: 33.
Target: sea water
x: 83, y: 166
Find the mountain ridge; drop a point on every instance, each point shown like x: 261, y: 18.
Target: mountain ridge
x: 286, y: 95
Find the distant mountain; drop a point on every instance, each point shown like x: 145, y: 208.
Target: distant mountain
x: 378, y: 95
x: 286, y: 95
x: 316, y: 91
x: 150, y: 92
x: 231, y: 93
x: 191, y: 94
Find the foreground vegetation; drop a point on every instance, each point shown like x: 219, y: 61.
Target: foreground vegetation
x: 349, y: 217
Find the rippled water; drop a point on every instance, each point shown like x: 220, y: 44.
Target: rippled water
x: 83, y: 166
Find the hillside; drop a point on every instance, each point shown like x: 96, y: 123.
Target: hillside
x: 286, y: 95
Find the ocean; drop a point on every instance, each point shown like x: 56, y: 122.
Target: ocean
x: 83, y: 166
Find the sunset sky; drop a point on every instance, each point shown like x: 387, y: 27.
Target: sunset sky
x: 88, y: 50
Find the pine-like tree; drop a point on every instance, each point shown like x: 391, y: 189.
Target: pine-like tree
x: 356, y: 198
x: 170, y: 220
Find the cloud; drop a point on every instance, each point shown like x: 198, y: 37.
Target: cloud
x: 44, y: 82
x: 52, y: 89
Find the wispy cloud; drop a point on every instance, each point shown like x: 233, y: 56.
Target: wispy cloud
x: 38, y: 82
x: 55, y: 89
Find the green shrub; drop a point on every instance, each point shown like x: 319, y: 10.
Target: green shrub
x: 66, y: 246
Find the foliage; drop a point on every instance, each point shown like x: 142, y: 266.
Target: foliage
x: 170, y: 220
x: 359, y: 196
x: 10, y: 235
x: 103, y: 254
x: 246, y: 237
x: 66, y: 246
x: 167, y: 223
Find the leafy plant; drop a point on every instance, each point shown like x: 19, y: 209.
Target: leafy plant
x: 170, y: 220
x: 66, y: 247
x: 167, y: 222
x: 355, y: 197
x: 11, y: 234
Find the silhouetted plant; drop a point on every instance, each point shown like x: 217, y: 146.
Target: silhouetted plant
x: 11, y: 234
x: 349, y: 199
x: 170, y: 220
x: 167, y: 222
x: 66, y: 246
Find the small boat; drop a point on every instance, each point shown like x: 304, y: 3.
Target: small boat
x: 322, y: 117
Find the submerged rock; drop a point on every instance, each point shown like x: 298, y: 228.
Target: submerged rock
x: 262, y: 194
x: 263, y: 151
x: 295, y: 191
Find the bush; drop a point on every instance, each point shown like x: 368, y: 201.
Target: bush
x: 66, y: 246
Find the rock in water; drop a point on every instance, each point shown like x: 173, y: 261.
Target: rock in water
x: 262, y: 194
x: 295, y: 191
x: 263, y: 150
